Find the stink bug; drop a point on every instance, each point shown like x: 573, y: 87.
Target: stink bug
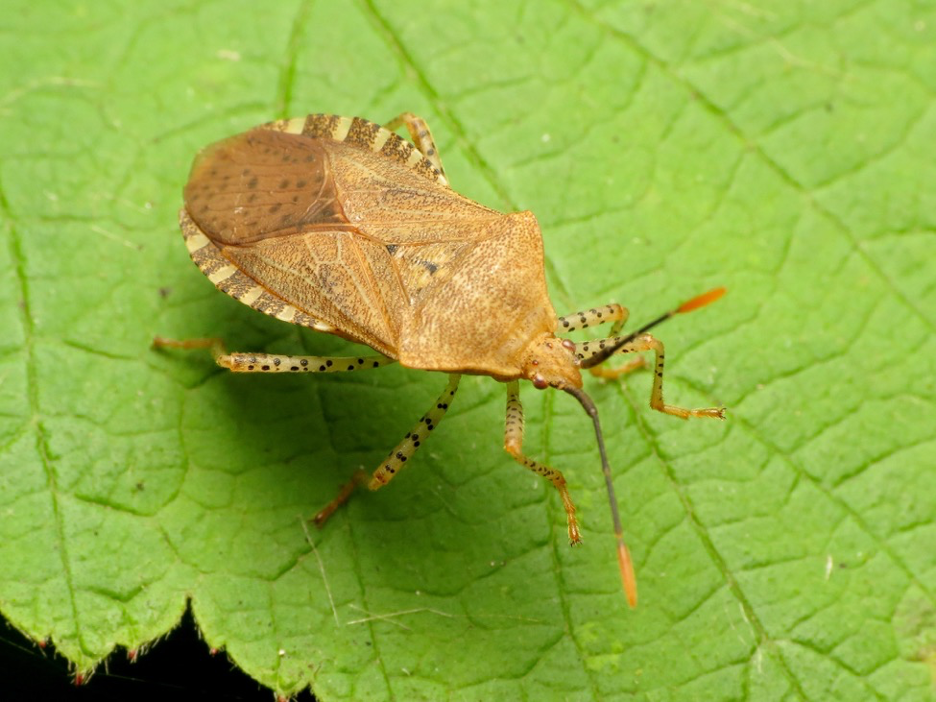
x: 340, y: 225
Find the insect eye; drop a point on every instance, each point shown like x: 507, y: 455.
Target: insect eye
x: 539, y: 382
x: 568, y: 345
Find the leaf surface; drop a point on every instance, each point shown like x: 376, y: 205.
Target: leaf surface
x: 783, y: 150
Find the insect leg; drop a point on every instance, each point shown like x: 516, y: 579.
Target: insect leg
x: 589, y: 348
x: 279, y: 363
x: 213, y: 344
x: 615, y: 373
x: 646, y: 342
x: 420, y: 134
x: 513, y: 444
x: 398, y: 456
x: 414, y: 438
x: 239, y: 362
x: 595, y: 316
x: 602, y: 315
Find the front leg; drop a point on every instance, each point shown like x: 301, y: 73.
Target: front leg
x: 645, y: 342
x: 513, y: 444
x: 602, y: 315
x: 597, y: 315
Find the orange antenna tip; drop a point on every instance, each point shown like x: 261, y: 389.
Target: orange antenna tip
x: 627, y: 574
x: 701, y: 300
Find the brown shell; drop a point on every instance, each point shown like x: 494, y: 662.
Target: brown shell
x: 339, y: 225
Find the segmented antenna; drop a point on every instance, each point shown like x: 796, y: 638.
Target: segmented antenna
x: 688, y: 306
x: 628, y: 579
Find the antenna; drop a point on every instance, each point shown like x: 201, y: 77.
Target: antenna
x: 628, y: 579
x: 688, y: 306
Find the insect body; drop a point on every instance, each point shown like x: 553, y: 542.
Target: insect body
x: 340, y: 225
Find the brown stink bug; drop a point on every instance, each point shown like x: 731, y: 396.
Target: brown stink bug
x: 340, y: 225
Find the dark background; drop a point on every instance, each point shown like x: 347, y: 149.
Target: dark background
x: 177, y: 667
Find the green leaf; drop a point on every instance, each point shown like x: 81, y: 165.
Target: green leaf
x: 784, y: 150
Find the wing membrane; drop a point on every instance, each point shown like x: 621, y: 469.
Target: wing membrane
x: 362, y: 242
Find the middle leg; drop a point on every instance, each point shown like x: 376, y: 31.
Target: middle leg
x: 240, y: 362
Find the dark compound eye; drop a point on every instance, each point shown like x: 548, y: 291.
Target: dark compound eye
x: 568, y: 345
x: 539, y: 382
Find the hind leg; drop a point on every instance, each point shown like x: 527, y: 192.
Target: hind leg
x: 398, y: 457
